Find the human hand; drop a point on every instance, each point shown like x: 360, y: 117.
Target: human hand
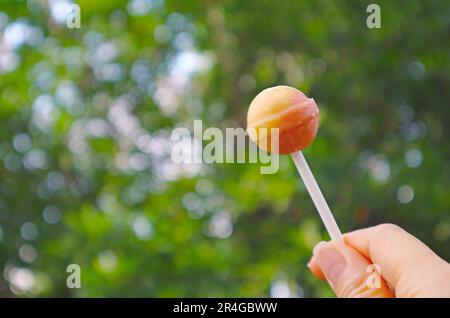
x: 408, y: 267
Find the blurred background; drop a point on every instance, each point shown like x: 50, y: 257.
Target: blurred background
x: 85, y: 121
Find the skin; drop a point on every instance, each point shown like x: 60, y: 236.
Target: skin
x: 408, y: 267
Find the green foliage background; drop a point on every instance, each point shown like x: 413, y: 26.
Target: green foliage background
x: 73, y: 108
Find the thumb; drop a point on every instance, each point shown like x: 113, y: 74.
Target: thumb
x: 349, y: 273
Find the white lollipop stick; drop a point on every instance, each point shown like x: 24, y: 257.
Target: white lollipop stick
x: 317, y: 196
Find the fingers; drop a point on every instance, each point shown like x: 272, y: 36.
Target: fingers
x: 347, y: 271
x: 315, y: 269
x: 408, y: 266
x: 405, y: 262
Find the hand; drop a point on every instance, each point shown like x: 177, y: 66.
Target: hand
x: 408, y: 267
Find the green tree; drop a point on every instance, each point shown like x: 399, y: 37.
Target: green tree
x: 86, y: 116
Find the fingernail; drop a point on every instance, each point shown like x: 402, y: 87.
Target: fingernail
x: 319, y: 246
x: 330, y: 260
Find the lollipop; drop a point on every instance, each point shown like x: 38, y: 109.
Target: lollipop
x: 286, y: 108
x: 297, y: 118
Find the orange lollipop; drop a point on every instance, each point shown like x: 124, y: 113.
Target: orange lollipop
x: 297, y: 118
x: 286, y: 108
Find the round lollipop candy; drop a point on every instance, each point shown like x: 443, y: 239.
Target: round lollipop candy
x: 286, y: 108
x: 297, y: 118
